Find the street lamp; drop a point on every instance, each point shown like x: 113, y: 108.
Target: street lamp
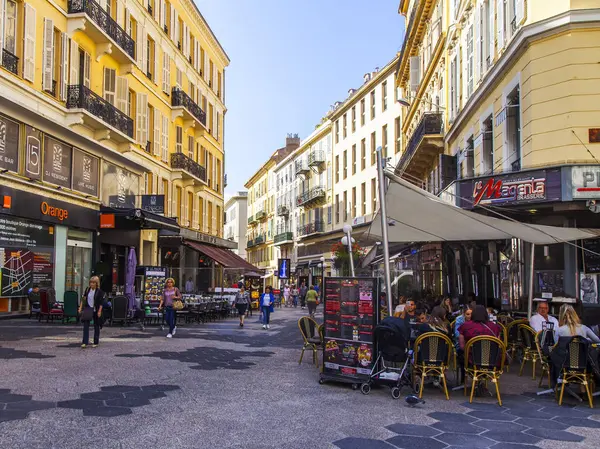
x: 408, y: 104
x: 347, y: 240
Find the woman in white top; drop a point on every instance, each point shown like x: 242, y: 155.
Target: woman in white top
x: 570, y: 325
x: 91, y: 309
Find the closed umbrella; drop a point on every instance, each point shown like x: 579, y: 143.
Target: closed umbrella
x: 130, y: 278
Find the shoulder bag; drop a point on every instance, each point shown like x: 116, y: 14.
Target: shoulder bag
x: 178, y: 303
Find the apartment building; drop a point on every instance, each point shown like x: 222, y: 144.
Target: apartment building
x: 499, y: 112
x: 262, y: 213
x: 236, y: 224
x: 286, y: 212
x: 115, y: 107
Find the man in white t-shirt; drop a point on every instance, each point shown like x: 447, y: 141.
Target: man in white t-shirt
x: 537, y: 321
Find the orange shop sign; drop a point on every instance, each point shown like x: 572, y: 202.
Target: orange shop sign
x: 107, y: 221
x: 56, y: 212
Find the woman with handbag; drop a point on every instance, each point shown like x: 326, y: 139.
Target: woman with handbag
x: 266, y: 306
x: 242, y: 301
x: 171, y: 302
x: 91, y: 309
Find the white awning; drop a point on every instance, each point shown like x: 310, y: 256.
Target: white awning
x: 415, y: 215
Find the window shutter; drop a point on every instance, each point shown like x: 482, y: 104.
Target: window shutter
x: 172, y: 24
x: 2, y: 8
x: 144, y: 38
x: 477, y: 46
x: 110, y: 85
x: 141, y: 103
x: 127, y: 22
x: 166, y: 72
x: 176, y: 26
x: 186, y: 41
x: 29, y: 43
x: 157, y: 133
x: 119, y: 6
x: 500, y: 23
x: 165, y: 138
x: 74, y: 75
x: 48, y: 54
x: 156, y: 64
x: 64, y: 66
x: 415, y: 72
x: 139, y: 50
x: 163, y: 14
x: 86, y: 70
x: 520, y: 11
x: 122, y: 93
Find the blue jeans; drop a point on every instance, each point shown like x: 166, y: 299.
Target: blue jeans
x: 86, y: 331
x: 266, y: 310
x: 170, y: 318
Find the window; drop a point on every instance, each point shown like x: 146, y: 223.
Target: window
x: 329, y: 213
x: 211, y: 68
x: 373, y: 147
x: 353, y: 202
x: 372, y: 105
x: 453, y: 88
x: 384, y: 104
x: 337, y: 208
x: 110, y: 85
x: 346, y: 206
x: 190, y: 208
x: 150, y: 59
x: 337, y: 169
x: 363, y: 198
x: 373, y: 195
x: 179, y: 139
x: 191, y: 147
x: 469, y: 62
x: 353, y: 118
x: 465, y: 160
x: 513, y: 130
x: 10, y: 27
x: 488, y: 147
x: 337, y: 131
x: 345, y: 161
x: 353, y: 159
x: 151, y: 144
x: 362, y: 112
x: 363, y: 154
x: 178, y: 203
x: 397, y: 135
x: 344, y: 126
x: 384, y: 141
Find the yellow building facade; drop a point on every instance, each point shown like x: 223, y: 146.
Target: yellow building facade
x: 135, y: 90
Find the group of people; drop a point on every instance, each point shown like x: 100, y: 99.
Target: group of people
x: 308, y: 296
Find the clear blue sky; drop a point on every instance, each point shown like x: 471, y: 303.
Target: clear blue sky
x: 290, y: 60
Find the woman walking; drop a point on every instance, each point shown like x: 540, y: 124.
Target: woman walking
x: 170, y: 295
x: 266, y: 305
x: 242, y: 301
x: 91, y: 309
x: 295, y: 292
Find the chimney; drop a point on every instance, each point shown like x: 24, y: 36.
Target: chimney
x: 292, y: 140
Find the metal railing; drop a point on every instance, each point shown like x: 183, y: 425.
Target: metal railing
x: 180, y: 98
x: 301, y: 167
x: 250, y: 243
x: 81, y: 97
x: 311, y: 228
x: 259, y: 239
x: 283, y: 210
x: 316, y: 157
x: 183, y: 162
x: 310, y: 195
x: 251, y: 219
x: 10, y: 62
x: 283, y: 237
x: 260, y: 215
x: 431, y: 124
x: 52, y: 90
x: 101, y: 18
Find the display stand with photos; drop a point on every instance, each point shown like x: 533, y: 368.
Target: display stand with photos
x: 350, y: 317
x: 152, y: 287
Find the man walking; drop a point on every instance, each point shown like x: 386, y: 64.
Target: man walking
x: 303, y: 291
x: 311, y: 300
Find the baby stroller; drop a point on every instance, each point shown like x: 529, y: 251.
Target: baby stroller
x: 392, y: 366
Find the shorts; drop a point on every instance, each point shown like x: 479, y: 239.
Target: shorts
x: 241, y: 308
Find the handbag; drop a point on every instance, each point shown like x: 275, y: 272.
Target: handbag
x: 177, y: 304
x: 87, y: 314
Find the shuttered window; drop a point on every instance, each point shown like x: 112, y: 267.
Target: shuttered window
x: 87, y: 63
x: 166, y: 81
x: 122, y: 93
x: 110, y: 85
x: 165, y: 139
x: 141, y: 118
x: 179, y: 139
x: 64, y: 65
x: 157, y: 134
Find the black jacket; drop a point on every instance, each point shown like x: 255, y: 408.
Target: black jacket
x: 98, y: 298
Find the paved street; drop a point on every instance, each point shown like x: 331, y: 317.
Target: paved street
x: 218, y: 386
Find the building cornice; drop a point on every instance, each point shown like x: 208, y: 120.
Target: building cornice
x: 570, y: 20
x: 316, y: 135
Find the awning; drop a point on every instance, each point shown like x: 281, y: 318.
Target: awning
x: 415, y: 215
x: 224, y: 257
x: 114, y: 218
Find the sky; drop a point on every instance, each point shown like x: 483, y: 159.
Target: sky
x: 290, y: 61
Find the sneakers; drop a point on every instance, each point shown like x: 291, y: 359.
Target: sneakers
x: 83, y: 346
x: 268, y: 326
x: 94, y: 346
x: 264, y: 326
x: 169, y: 336
x: 174, y: 330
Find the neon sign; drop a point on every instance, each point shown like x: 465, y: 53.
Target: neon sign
x: 500, y: 192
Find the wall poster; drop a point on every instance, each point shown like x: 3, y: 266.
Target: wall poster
x: 9, y: 144
x: 120, y: 187
x: 57, y: 162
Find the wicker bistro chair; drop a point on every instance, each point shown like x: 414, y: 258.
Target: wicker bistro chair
x: 530, y: 352
x: 544, y: 361
x: 575, y: 369
x: 312, y: 336
x: 484, y: 360
x: 513, y: 337
x: 432, y: 356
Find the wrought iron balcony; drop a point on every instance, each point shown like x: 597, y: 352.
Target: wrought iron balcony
x: 106, y: 24
x: 316, y: 158
x: 260, y: 215
x: 180, y: 161
x: 283, y: 237
x: 259, y: 239
x: 431, y: 125
x: 311, y: 196
x: 180, y: 99
x: 301, y: 167
x: 311, y: 228
x: 10, y: 62
x: 283, y: 211
x: 251, y: 219
x: 81, y: 97
x: 250, y: 243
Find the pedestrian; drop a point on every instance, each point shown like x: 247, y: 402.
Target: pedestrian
x: 169, y: 296
x: 295, y: 292
x: 91, y: 309
x: 189, y: 286
x: 266, y: 305
x: 311, y: 300
x: 303, y: 291
x: 242, y: 301
x: 286, y: 295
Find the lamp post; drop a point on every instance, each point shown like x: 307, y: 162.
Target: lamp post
x: 384, y: 228
x: 347, y: 240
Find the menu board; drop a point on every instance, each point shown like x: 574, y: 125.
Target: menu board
x: 591, y: 259
x: 350, y: 318
x: 154, y: 284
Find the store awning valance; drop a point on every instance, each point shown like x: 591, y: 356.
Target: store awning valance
x: 415, y: 215
x: 115, y: 218
x: 224, y: 257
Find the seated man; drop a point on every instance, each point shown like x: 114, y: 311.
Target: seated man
x: 539, y: 321
x: 34, y: 300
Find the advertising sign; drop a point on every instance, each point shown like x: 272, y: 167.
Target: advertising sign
x: 585, y: 182
x: 283, y: 268
x: 9, y: 144
x: 154, y: 203
x: 120, y: 187
x: 350, y: 319
x: 57, y: 162
x: 85, y: 172
x: 33, y: 153
x: 591, y: 260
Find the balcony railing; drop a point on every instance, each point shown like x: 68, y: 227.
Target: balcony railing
x: 183, y: 162
x: 81, y: 97
x: 180, y: 98
x: 313, y: 194
x: 99, y: 15
x: 431, y: 124
x: 283, y: 237
x: 316, y: 158
x: 311, y: 228
x: 10, y: 62
x: 301, y: 167
x: 251, y: 219
x: 283, y: 211
x: 261, y: 214
x: 250, y: 243
x: 259, y: 239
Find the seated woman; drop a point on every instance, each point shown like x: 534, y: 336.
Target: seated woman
x: 460, y: 320
x: 480, y: 324
x: 436, y: 322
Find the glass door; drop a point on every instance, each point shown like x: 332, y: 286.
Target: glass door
x: 79, y: 267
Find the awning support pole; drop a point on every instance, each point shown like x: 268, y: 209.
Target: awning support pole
x: 384, y: 228
x: 531, y: 279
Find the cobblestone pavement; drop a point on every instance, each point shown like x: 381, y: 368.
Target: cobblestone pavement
x: 215, y: 385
